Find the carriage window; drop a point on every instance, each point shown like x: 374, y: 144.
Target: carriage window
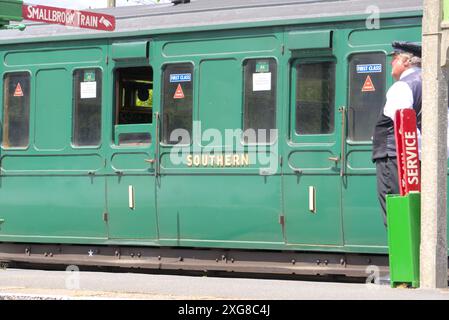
x: 315, y: 98
x: 366, y: 94
x: 134, y: 95
x: 87, y: 84
x: 259, y: 114
x: 134, y: 105
x: 16, y: 113
x: 177, y: 103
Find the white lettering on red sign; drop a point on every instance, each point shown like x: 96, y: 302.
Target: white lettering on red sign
x: 407, y: 150
x: 68, y: 17
x: 411, y: 156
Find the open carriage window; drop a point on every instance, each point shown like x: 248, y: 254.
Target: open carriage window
x: 134, y: 104
x: 134, y: 95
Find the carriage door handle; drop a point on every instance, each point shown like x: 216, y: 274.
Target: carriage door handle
x: 343, y: 111
x: 336, y: 159
x: 156, y: 148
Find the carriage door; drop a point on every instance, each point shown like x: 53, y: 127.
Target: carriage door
x: 366, y: 97
x: 131, y: 183
x: 312, y: 182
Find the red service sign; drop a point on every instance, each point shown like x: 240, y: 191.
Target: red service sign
x: 407, y: 150
x: 69, y: 17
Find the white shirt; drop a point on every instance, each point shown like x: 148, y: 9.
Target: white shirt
x: 400, y: 96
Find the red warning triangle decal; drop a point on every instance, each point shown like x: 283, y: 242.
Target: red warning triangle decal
x: 368, y: 85
x: 18, y: 92
x: 179, y: 94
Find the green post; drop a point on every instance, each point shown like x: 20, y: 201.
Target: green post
x: 404, y: 220
x: 446, y: 10
x: 10, y: 10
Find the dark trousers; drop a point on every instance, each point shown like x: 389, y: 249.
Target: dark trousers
x: 387, y: 181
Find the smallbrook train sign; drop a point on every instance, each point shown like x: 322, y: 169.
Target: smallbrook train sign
x: 69, y: 17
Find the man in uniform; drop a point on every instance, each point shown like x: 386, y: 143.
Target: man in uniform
x: 405, y: 93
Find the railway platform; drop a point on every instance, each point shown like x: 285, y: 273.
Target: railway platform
x: 25, y: 284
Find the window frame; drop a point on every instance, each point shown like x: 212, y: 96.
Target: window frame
x: 135, y: 128
x: 118, y: 129
x: 295, y: 137
x: 118, y: 95
x: 3, y: 97
x: 387, y: 68
x: 102, y: 115
x: 276, y: 101
x: 162, y: 108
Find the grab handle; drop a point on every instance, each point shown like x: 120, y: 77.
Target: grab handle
x: 343, y: 141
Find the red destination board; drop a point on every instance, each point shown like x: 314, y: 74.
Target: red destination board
x: 69, y: 17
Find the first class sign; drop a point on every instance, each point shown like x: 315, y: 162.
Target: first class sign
x: 69, y: 17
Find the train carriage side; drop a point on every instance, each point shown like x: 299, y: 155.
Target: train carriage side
x: 367, y: 77
x: 67, y: 155
x: 222, y: 193
x: 321, y: 181
x: 248, y: 138
x: 47, y: 194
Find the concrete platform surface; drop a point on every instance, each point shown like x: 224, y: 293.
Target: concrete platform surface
x: 38, y: 284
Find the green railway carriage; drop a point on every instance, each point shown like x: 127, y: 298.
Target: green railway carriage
x: 145, y: 146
